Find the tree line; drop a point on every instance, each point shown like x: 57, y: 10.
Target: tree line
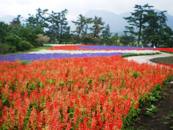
x: 149, y: 26
x: 52, y: 27
x: 145, y: 26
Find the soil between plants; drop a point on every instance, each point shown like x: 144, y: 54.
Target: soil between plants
x: 162, y: 119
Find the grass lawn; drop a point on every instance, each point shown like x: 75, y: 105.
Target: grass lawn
x: 163, y: 60
x: 31, y: 50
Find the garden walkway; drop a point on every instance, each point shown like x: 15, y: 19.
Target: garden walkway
x: 147, y: 58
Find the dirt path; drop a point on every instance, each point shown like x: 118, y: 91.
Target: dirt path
x: 147, y: 58
x: 162, y: 119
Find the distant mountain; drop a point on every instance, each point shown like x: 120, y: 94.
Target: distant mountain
x: 117, y: 22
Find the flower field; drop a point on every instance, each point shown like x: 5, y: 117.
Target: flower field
x: 76, y: 93
x: 32, y: 57
x: 96, y: 47
x: 170, y: 65
x: 75, y: 51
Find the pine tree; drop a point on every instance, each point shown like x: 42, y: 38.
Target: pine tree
x: 82, y: 25
x: 97, y: 27
x: 137, y: 22
x: 106, y: 31
x: 156, y: 30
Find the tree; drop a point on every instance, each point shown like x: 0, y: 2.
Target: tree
x: 58, y: 25
x: 82, y: 25
x: 26, y: 31
x: 115, y: 39
x: 32, y: 21
x: 106, y: 31
x: 151, y: 30
x: 64, y: 28
x: 42, y: 38
x: 106, y: 35
x: 29, y: 33
x: 137, y: 22
x: 54, y: 26
x: 97, y: 26
x: 168, y: 37
x: 156, y: 30
x: 127, y: 39
x: 16, y: 21
x: 4, y: 30
x: 41, y: 18
x: 149, y: 26
x: 79, y: 25
x: 87, y: 22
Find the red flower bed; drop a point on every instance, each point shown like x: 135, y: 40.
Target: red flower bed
x: 165, y: 49
x: 81, y: 93
x: 66, y: 47
x: 170, y: 65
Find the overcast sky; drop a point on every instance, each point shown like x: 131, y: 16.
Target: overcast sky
x: 75, y: 7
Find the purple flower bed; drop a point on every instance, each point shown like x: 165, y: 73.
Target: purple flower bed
x: 99, y: 47
x: 14, y: 57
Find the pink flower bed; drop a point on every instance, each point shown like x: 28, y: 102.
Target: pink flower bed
x: 165, y: 49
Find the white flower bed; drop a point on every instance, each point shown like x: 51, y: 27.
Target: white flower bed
x: 94, y: 51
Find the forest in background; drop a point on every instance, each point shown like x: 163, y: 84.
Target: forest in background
x: 146, y: 27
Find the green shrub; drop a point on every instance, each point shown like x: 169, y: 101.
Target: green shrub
x: 19, y: 43
x: 13, y: 40
x: 127, y: 40
x: 5, y: 48
x: 131, y: 117
x: 91, y: 40
x: 24, y: 45
x: 41, y: 39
